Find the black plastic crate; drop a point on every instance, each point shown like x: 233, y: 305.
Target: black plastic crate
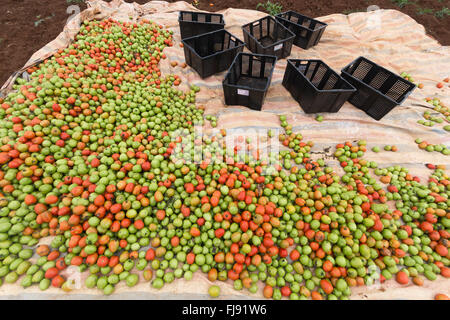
x: 307, y: 31
x: 248, y: 79
x: 268, y: 36
x: 378, y: 89
x: 315, y: 86
x: 212, y: 52
x: 195, y: 23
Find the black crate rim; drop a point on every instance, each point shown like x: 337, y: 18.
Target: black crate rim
x: 275, y: 43
x: 323, y: 24
x: 241, y: 44
x: 204, y: 22
x: 245, y: 87
x: 352, y: 88
x: 344, y: 70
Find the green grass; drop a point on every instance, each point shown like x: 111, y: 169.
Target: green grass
x: 424, y: 11
x: 442, y: 13
x: 273, y: 8
x: 401, y: 3
x: 40, y: 20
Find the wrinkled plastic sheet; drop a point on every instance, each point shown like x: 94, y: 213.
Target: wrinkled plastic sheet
x: 387, y: 37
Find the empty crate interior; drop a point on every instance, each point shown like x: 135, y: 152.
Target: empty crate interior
x: 188, y: 16
x: 320, y: 75
x: 380, y: 79
x: 267, y: 31
x: 211, y: 43
x: 251, y: 71
x: 302, y: 21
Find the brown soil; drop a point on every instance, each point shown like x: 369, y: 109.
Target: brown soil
x: 438, y: 28
x: 27, y: 25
